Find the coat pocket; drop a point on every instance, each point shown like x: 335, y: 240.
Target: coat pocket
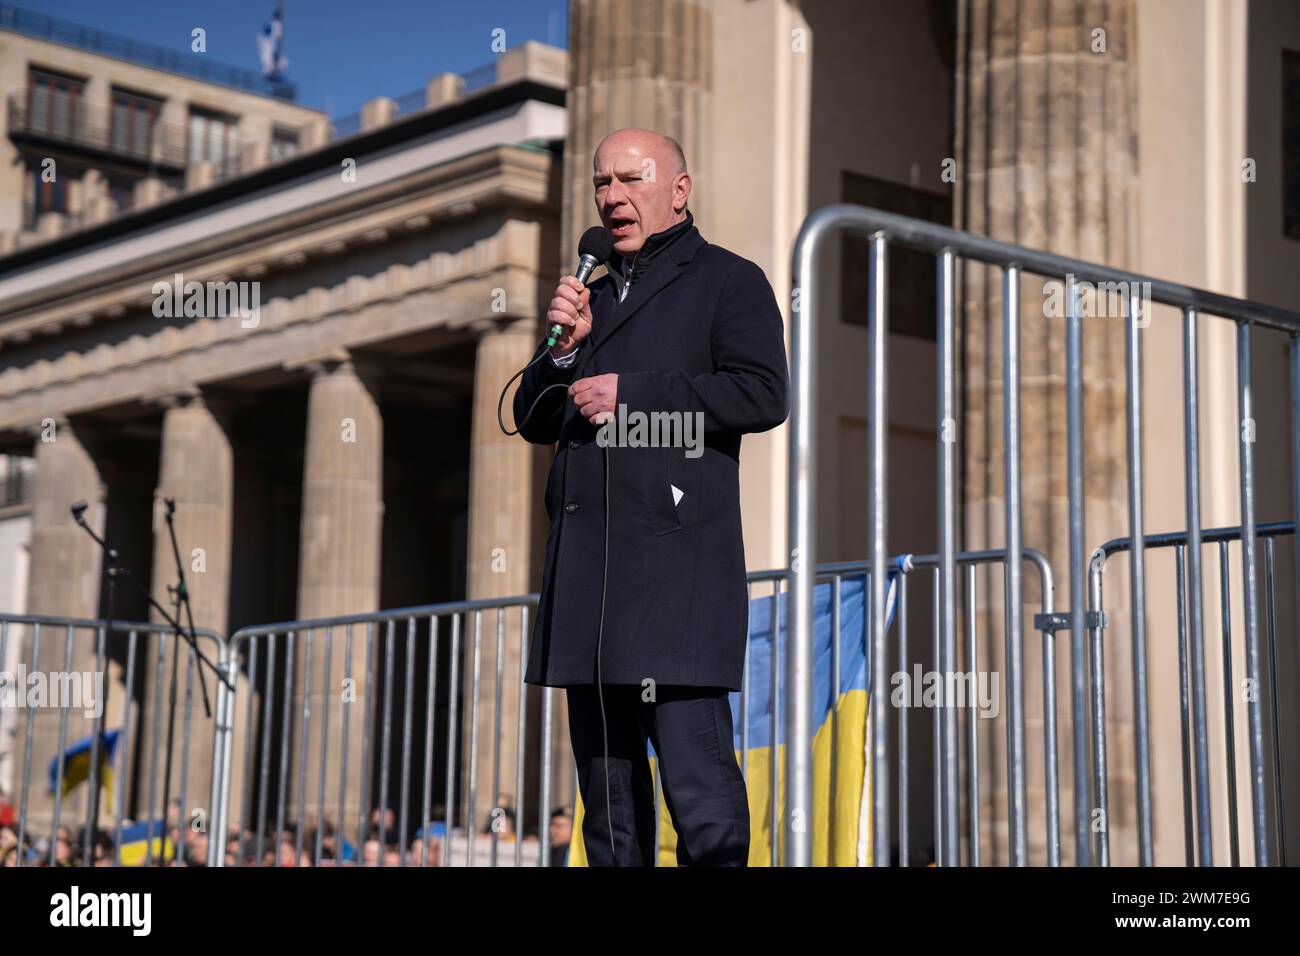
x: 650, y: 488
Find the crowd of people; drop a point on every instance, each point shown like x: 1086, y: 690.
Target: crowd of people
x: 288, y: 845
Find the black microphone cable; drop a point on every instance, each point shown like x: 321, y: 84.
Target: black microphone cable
x: 604, y: 580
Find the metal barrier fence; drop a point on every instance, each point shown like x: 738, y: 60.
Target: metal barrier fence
x: 947, y: 245
x: 297, y: 761
x: 945, y: 745
x: 289, y: 665
x: 405, y: 709
x: 141, y: 752
x: 1195, y: 766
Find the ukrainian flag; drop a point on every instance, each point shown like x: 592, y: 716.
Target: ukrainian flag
x: 136, y: 840
x: 841, y: 725
x: 76, y: 763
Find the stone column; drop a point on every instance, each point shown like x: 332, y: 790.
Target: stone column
x: 65, y: 562
x: 339, y: 566
x: 635, y: 64
x: 502, y: 499
x: 196, y: 470
x: 64, y: 581
x: 1046, y: 155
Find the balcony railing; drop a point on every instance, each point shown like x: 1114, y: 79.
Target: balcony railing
x: 147, y: 54
x: 471, y: 81
x: 93, y: 130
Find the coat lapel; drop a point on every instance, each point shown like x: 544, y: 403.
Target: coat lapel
x: 614, y: 314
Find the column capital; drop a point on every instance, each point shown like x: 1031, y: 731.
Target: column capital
x: 368, y: 369
x: 509, y: 325
x: 86, y: 431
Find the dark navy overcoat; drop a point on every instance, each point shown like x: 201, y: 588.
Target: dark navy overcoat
x: 699, y: 332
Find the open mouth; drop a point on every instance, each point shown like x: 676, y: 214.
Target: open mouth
x: 621, y: 226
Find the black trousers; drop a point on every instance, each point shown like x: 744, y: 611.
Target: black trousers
x: 691, y: 730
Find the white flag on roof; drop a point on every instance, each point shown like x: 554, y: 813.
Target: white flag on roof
x: 270, y: 46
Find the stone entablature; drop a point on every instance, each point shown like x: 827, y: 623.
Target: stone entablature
x: 463, y: 206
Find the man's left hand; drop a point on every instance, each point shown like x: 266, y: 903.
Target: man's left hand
x: 595, y: 397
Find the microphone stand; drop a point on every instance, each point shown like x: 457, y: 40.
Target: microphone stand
x: 112, y: 570
x: 181, y: 598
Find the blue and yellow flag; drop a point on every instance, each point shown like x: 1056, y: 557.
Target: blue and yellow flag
x: 840, y: 823
x: 136, y: 840
x: 76, y: 763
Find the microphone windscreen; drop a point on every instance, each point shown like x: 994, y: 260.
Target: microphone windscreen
x: 597, y: 242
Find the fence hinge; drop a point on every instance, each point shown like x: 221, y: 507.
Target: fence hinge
x: 1060, y: 621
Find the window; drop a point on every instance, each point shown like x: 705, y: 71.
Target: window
x: 912, y: 294
x: 133, y: 121
x: 284, y: 142
x: 1291, y: 144
x: 214, y: 138
x: 52, y: 102
x: 43, y: 195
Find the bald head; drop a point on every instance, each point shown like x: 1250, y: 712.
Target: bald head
x: 641, y: 185
x: 665, y: 150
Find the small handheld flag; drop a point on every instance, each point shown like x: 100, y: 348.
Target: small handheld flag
x: 76, y: 763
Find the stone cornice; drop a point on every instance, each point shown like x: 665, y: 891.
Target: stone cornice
x: 449, y: 291
x: 493, y: 177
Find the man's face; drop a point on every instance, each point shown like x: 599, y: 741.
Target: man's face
x: 561, y: 830
x: 638, y: 188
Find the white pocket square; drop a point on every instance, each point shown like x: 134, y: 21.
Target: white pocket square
x: 677, y: 494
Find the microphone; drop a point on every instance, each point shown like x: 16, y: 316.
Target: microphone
x: 594, y: 248
x: 78, y: 509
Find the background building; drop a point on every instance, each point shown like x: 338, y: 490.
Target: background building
x: 402, y: 301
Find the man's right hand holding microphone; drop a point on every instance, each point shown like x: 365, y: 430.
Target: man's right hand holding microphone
x: 570, y: 309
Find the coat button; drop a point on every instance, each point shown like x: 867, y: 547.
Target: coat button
x: 570, y: 508
x: 574, y: 443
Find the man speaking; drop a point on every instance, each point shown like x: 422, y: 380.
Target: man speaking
x: 643, y: 614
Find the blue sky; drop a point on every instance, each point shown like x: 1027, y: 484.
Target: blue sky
x: 341, y: 52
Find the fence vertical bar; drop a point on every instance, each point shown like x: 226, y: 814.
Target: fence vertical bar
x: 1079, y: 665
x: 1250, y: 596
x: 430, y: 703
x: 1099, y: 712
x: 521, y: 734
x: 972, y: 740
x: 877, y: 318
x: 408, y: 736
x: 936, y: 741
x: 1196, y: 628
x: 386, y: 735
x: 902, y: 719
x: 453, y: 734
x: 947, y: 402
x: 1189, y: 839
x: 1229, y: 729
x: 775, y: 690
x: 1013, y: 568
x: 1051, y: 762
x: 1277, y: 729
x: 346, y: 705
x: 1137, y: 576
x: 801, y: 534
x: 544, y: 805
